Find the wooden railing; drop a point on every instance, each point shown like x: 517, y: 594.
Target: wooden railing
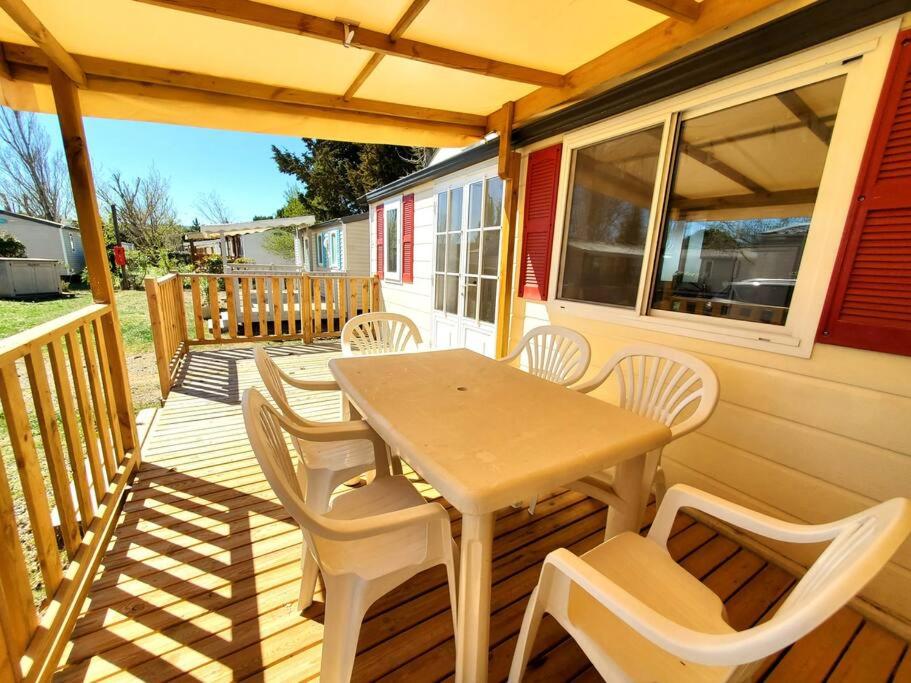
x: 62, y: 376
x: 242, y: 308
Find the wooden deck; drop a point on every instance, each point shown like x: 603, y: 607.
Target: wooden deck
x: 201, y: 577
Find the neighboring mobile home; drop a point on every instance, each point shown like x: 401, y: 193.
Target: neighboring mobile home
x: 45, y: 239
x: 337, y: 245
x: 724, y: 210
x: 246, y: 240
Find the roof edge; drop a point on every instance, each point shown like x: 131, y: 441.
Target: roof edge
x: 799, y: 30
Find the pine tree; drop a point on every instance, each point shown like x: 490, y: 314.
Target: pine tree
x: 336, y: 175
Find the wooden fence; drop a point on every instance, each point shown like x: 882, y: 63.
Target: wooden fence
x: 196, y: 308
x: 74, y: 445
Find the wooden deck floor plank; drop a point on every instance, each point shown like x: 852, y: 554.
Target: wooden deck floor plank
x: 815, y: 655
x: 872, y: 656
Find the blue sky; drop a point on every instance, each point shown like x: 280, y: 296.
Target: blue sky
x: 195, y: 161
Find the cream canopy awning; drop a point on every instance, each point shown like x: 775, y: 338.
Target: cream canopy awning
x: 417, y: 72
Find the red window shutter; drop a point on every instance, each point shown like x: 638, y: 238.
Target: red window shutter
x: 408, y: 238
x: 380, y: 236
x: 538, y: 230
x: 869, y: 300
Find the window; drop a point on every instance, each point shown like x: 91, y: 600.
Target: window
x: 474, y: 268
x: 448, y: 257
x: 610, y: 209
x: 740, y: 206
x: 699, y: 217
x: 393, y: 240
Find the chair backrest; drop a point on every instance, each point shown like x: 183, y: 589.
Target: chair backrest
x: 380, y: 332
x: 266, y: 429
x: 860, y: 547
x: 557, y: 354
x: 660, y: 383
x: 274, y: 380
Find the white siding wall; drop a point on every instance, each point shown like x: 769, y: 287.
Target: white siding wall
x: 357, y: 247
x: 48, y: 241
x: 254, y: 249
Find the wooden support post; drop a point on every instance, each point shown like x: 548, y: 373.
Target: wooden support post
x: 507, y: 254
x: 161, y: 355
x: 69, y: 116
x: 508, y: 164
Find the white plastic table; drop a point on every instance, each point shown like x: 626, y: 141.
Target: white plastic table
x: 486, y: 435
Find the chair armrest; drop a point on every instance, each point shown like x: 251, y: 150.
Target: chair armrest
x: 682, y: 641
x: 388, y: 521
x: 349, y: 430
x: 309, y: 384
x: 682, y: 496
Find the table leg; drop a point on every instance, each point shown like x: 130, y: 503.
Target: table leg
x: 628, y: 487
x: 474, y: 599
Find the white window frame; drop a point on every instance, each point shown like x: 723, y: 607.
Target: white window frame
x: 858, y: 103
x: 396, y: 275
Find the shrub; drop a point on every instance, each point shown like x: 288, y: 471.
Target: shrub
x: 10, y: 247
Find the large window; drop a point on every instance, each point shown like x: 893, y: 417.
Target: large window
x: 742, y: 196
x: 392, y: 241
x: 714, y: 226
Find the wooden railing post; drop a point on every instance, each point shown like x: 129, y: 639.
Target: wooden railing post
x: 306, y: 309
x: 161, y: 354
x: 69, y: 116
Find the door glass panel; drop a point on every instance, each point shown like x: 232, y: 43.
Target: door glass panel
x: 441, y: 211
x: 473, y: 249
x: 438, y: 292
x: 743, y: 193
x: 491, y: 252
x: 455, y: 209
x: 469, y: 310
x: 488, y: 300
x: 392, y: 240
x: 610, y: 207
x: 493, y: 205
x: 452, y: 293
x: 453, y: 255
x: 441, y: 253
x: 474, y: 205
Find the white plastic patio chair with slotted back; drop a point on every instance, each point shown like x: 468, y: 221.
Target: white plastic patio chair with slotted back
x: 660, y: 383
x: 367, y: 542
x: 557, y: 354
x: 640, y: 616
x: 380, y: 332
x: 322, y: 465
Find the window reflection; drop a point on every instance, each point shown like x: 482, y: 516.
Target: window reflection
x: 743, y: 193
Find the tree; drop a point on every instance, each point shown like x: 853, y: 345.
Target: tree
x: 10, y: 247
x: 336, y: 175
x: 213, y: 208
x: 144, y: 210
x: 33, y: 179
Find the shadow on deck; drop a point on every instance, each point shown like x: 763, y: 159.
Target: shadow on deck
x: 201, y: 576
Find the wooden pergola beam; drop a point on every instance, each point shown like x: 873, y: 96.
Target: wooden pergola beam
x: 336, y: 31
x: 414, y: 9
x: 28, y: 64
x: 637, y: 52
x: 19, y: 12
x: 807, y: 116
x: 681, y: 10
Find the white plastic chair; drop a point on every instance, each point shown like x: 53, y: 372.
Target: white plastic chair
x: 369, y: 540
x: 557, y: 354
x: 322, y: 465
x: 659, y: 383
x: 380, y: 332
x: 639, y: 616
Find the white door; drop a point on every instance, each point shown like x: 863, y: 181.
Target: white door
x: 466, y: 260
